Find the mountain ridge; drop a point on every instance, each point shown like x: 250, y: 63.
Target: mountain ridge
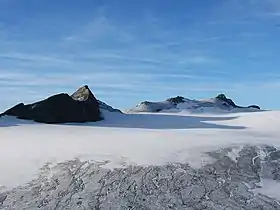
x: 83, y: 106
x: 180, y: 103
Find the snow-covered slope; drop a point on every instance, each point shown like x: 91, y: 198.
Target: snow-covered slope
x: 105, y: 107
x: 164, y: 160
x: 219, y: 104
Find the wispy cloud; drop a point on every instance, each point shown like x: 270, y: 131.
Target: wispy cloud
x: 148, y: 54
x: 198, y: 60
x: 115, y: 87
x: 33, y: 58
x: 99, y: 28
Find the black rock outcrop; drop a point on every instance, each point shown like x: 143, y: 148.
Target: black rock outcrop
x: 82, y: 106
x: 177, y: 100
x: 254, y: 107
x: 230, y: 102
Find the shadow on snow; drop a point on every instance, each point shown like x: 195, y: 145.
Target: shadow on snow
x: 143, y: 121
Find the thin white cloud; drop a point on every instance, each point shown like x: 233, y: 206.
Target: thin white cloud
x: 273, y: 14
x: 114, y: 87
x: 98, y: 79
x: 129, y: 82
x: 33, y: 57
x: 198, y: 60
x: 99, y: 28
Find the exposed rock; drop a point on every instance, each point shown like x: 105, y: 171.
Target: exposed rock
x: 177, y: 100
x: 223, y: 98
x: 230, y: 102
x: 60, y: 108
x: 84, y: 94
x: 19, y: 110
x: 254, y: 107
x: 225, y: 183
x: 148, y: 106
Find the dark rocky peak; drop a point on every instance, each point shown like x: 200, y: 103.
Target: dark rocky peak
x: 177, y: 100
x: 84, y: 94
x: 223, y: 98
x: 145, y: 103
x: 254, y: 107
x: 82, y: 106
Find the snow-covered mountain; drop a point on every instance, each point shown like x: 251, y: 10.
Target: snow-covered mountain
x: 218, y: 104
x: 105, y: 107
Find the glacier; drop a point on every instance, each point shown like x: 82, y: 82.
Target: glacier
x: 176, y: 160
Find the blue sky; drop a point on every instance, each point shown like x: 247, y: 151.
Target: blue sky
x: 128, y: 51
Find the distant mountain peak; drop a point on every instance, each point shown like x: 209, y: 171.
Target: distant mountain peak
x: 220, y: 103
x: 221, y: 97
x: 177, y: 99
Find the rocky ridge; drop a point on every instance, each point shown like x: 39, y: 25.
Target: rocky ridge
x: 219, y: 103
x: 81, y: 106
x: 233, y: 181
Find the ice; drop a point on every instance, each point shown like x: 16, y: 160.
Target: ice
x: 123, y: 139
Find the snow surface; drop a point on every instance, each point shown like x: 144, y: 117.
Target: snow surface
x: 234, y: 153
x: 269, y: 188
x: 144, y: 139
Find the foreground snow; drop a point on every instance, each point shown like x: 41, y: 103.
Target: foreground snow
x: 195, y: 143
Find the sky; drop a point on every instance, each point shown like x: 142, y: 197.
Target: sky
x: 129, y: 51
